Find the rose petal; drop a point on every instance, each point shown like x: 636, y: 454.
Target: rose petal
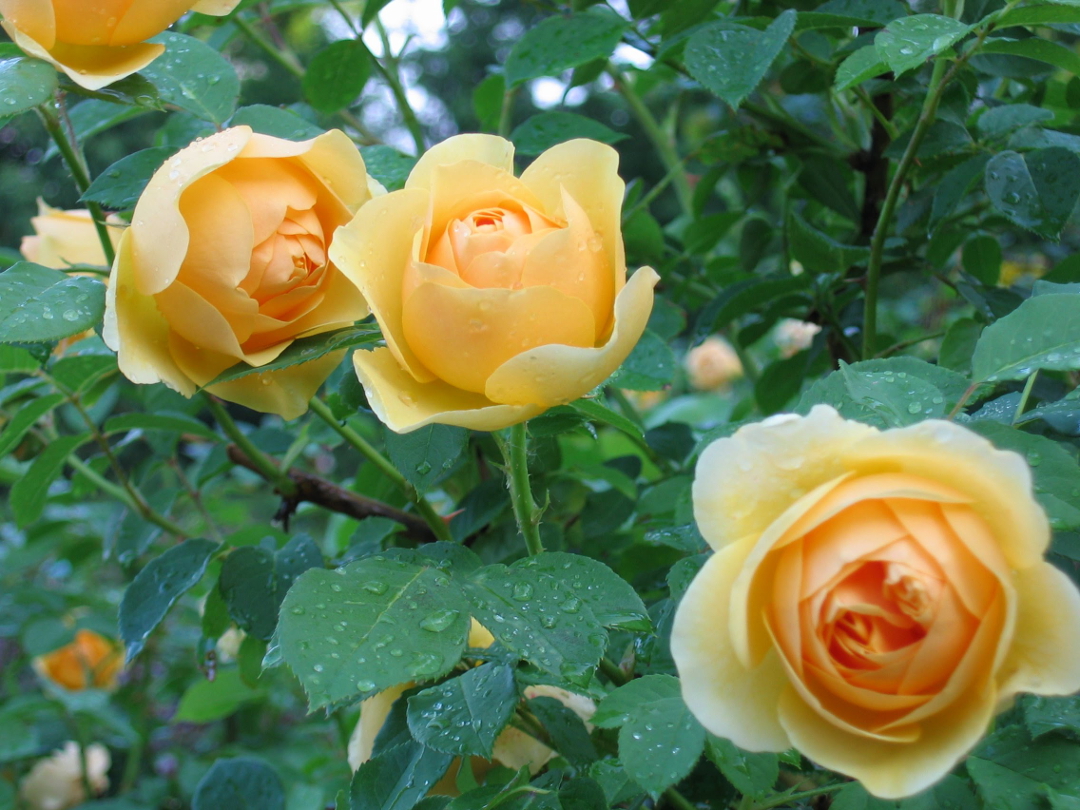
x: 999, y: 482
x: 215, y: 8
x: 373, y: 251
x: 140, y: 20
x: 64, y: 238
x: 490, y: 149
x: 373, y: 714
x: 269, y: 188
x: 744, y: 482
x: 34, y: 19
x: 1045, y: 654
x: 553, y: 375
x: 729, y: 699
x: 221, y: 239
x: 285, y: 392
x: 464, y: 334
x: 403, y: 404
x: 589, y: 172
x: 195, y: 319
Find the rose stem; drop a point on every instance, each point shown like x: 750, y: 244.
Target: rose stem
x: 431, y: 517
x: 79, y: 172
x: 267, y: 468
x: 514, y: 444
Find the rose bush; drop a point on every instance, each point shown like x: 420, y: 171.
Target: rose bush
x: 498, y: 297
x: 226, y: 261
x: 97, y: 42
x: 875, y: 596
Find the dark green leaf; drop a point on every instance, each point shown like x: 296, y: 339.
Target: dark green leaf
x: 1037, y: 190
x: 562, y: 42
x: 982, y: 259
x: 544, y: 130
x: 752, y: 774
x: 337, y: 75
x: 29, y: 493
x: 910, y: 41
x: 24, y: 419
x: 305, y: 350
x: 387, y: 165
x: 1001, y: 121
x: 120, y: 185
x: 1042, y: 333
x: 241, y: 783
x: 568, y: 733
x: 819, y: 253
x: 38, y: 304
x: 465, y: 715
x: 427, y: 455
x: 958, y: 345
x: 1041, y: 50
x: 865, y: 63
x: 178, y: 422
x: 650, y: 366
x: 194, y: 77
x: 399, y: 778
x: 24, y: 84
x: 276, y: 121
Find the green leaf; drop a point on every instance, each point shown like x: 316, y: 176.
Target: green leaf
x: 865, y: 63
x: 305, y: 350
x: 563, y: 42
x: 910, y: 41
x: 336, y: 76
x: 276, y: 121
x: 731, y: 59
x: 1042, y: 333
x: 240, y: 783
x: 38, y: 304
x: 157, y: 587
x: 659, y: 739
x: 544, y: 130
x: 1037, y: 190
x: 881, y: 12
x: 819, y: 253
x: 958, y: 345
x: 24, y: 419
x: 981, y: 258
x: 487, y: 101
x: 613, y: 600
x: 650, y: 366
x: 254, y: 581
x: 397, y: 779
x: 120, y: 186
x: 373, y: 624
x: 595, y: 411
x: 1043, y: 715
x: 1004, y: 120
x: 176, y: 422
x: 1038, y: 15
x: 538, y: 618
x: 29, y: 493
x: 207, y: 701
x: 24, y: 84
x: 387, y: 165
x: 194, y: 77
x: 15, y: 360
x: 752, y: 774
x: 1041, y: 50
x: 568, y: 733
x: 427, y: 455
x: 954, y: 186
x: 465, y: 715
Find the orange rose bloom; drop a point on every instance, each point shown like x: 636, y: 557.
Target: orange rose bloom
x: 90, y: 661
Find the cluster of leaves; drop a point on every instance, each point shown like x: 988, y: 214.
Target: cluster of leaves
x: 795, y: 154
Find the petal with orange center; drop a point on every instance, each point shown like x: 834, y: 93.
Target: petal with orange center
x: 143, y: 18
x: 729, y: 699
x: 460, y: 189
x: 373, y: 251
x: 160, y: 237
x: 270, y: 188
x: 589, y: 173
x: 403, y: 404
x: 891, y: 770
x: 490, y: 149
x: 572, y: 260
x: 998, y: 481
x: 464, y: 334
x: 33, y: 18
x: 339, y: 305
x: 554, y: 374
x: 285, y: 392
x: 1045, y: 654
x: 221, y: 239
x: 745, y: 482
x: 136, y: 329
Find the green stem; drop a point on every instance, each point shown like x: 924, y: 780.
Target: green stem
x: 79, y: 173
x: 1021, y: 406
x: 434, y: 521
x: 664, y: 145
x: 119, y: 493
x: 514, y: 444
x: 676, y: 799
x: 614, y: 672
x: 284, y: 58
x: 788, y: 798
x: 506, y: 114
x: 888, y: 208
x: 390, y: 76
x: 269, y: 470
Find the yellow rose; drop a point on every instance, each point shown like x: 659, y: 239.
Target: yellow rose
x: 97, y: 42
x: 91, y: 661
x: 56, y: 783
x: 712, y: 365
x: 513, y: 749
x: 226, y: 261
x: 64, y: 238
x: 498, y: 297
x: 875, y: 596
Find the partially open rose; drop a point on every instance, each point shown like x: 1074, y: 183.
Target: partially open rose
x: 226, y: 262
x: 91, y: 661
x: 875, y: 596
x: 97, y: 42
x: 56, y: 782
x: 498, y: 297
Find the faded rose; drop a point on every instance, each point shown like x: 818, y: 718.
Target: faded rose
x: 875, y: 596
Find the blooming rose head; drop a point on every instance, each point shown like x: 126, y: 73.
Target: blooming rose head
x: 56, y: 783
x: 792, y: 336
x: 65, y: 238
x: 875, y: 596
x: 513, y: 749
x: 713, y: 364
x: 91, y: 661
x: 498, y: 297
x: 226, y: 261
x: 97, y: 42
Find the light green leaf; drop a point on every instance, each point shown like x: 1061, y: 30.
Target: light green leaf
x: 865, y: 63
x: 276, y: 121
x: 1042, y: 333
x: 337, y: 75
x: 176, y: 422
x: 194, y: 77
x: 24, y: 84
x: 207, y: 701
x: 1004, y: 120
x: 563, y: 42
x: 24, y: 419
x: 29, y: 493
x: 909, y: 42
x: 38, y: 304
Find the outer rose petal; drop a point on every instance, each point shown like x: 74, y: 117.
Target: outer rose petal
x: 730, y: 700
x: 89, y: 66
x: 215, y: 8
x: 403, y: 404
x: 998, y: 481
x: 555, y: 374
x: 33, y: 18
x: 373, y: 713
x: 285, y: 392
x: 490, y: 149
x: 1045, y: 654
x: 141, y: 20
x: 63, y: 238
x: 744, y: 482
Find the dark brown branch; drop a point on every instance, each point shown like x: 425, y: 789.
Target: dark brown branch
x: 330, y: 496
